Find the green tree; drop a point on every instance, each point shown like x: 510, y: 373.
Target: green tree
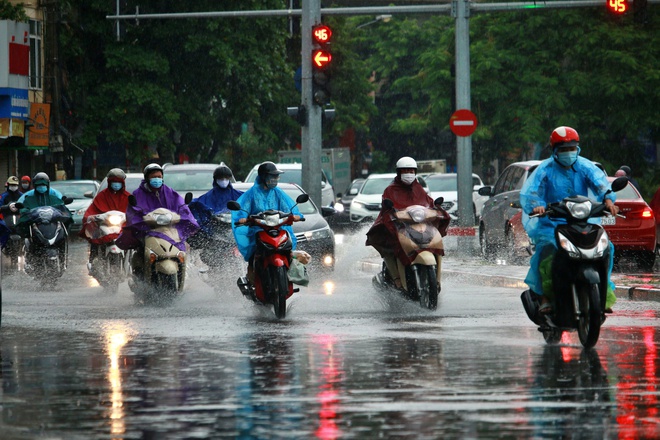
x: 12, y: 12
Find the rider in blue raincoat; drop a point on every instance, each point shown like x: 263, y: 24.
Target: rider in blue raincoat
x: 563, y: 175
x: 215, y: 201
x: 262, y: 196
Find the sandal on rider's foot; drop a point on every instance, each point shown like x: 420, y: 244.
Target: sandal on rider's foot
x: 609, y: 310
x: 397, y: 283
x: 545, y: 308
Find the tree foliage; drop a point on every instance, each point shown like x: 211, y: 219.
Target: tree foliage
x: 12, y: 12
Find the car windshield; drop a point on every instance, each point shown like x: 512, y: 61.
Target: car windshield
x: 442, y: 183
x: 194, y: 180
x: 376, y: 185
x: 75, y: 190
x: 305, y: 208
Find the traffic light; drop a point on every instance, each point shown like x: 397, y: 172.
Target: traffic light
x: 618, y: 7
x: 321, y: 61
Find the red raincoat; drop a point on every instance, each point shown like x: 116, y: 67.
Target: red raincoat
x: 382, y: 235
x: 106, y: 200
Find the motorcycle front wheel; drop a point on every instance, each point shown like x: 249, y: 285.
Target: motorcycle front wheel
x: 427, y: 286
x: 589, y: 319
x: 115, y: 273
x: 280, y: 289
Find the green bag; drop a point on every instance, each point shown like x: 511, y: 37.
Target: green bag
x: 298, y: 273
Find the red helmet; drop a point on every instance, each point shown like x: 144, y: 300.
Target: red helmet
x: 26, y: 179
x: 564, y: 137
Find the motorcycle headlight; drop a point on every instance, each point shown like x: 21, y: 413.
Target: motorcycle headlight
x: 115, y: 220
x: 272, y: 220
x: 164, y: 219
x: 418, y: 215
x: 318, y: 234
x: 602, y: 246
x: 339, y: 207
x: 565, y: 244
x: 579, y: 210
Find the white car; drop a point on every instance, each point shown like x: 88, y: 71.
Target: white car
x: 446, y: 185
x: 293, y: 174
x: 366, y: 204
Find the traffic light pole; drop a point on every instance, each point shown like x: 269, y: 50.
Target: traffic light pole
x: 311, y: 131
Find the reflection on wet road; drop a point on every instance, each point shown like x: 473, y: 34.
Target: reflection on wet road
x: 346, y: 363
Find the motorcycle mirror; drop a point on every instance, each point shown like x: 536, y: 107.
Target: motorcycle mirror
x: 188, y: 198
x: 233, y: 205
x: 132, y: 200
x: 619, y: 183
x: 18, y: 205
x: 67, y: 200
x: 439, y: 201
x: 302, y: 198
x: 388, y: 204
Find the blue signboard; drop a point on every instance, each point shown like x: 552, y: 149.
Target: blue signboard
x: 14, y: 103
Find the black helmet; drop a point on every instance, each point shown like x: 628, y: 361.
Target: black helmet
x: 41, y: 178
x: 268, y: 168
x: 222, y: 171
x: 151, y: 168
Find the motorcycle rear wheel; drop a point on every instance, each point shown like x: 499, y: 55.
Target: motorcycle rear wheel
x: 427, y: 286
x: 590, y: 314
x: 280, y: 286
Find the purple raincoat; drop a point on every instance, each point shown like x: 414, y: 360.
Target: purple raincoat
x: 133, y: 233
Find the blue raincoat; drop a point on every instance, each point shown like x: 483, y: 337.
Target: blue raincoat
x: 551, y: 183
x: 253, y: 201
x: 211, y: 203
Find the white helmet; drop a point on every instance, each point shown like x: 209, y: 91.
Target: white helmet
x: 406, y: 162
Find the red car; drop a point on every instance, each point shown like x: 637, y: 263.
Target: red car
x: 633, y: 235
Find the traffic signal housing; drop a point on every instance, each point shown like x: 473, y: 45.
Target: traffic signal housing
x: 321, y: 61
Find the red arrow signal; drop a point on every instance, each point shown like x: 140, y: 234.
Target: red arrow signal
x: 321, y: 59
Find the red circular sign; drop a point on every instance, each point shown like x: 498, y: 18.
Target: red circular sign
x: 463, y: 122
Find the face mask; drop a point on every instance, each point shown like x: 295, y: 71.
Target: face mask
x: 25, y: 186
x: 567, y: 158
x: 13, y: 187
x: 271, y: 182
x: 115, y: 186
x: 407, y: 178
x: 222, y: 183
x: 41, y: 189
x: 156, y: 182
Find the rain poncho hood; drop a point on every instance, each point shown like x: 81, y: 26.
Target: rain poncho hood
x: 148, y: 200
x: 551, y: 183
x: 383, y: 234
x: 211, y: 203
x: 253, y: 201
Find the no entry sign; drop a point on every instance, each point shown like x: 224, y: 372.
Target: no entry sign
x: 463, y: 122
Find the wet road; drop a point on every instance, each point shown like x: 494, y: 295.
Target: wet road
x: 346, y: 363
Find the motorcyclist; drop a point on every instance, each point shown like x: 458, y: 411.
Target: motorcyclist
x: 263, y: 195
x: 562, y: 175
x: 26, y: 183
x: 207, y: 206
x: 150, y: 195
x: 112, y: 198
x: 12, y: 194
x: 404, y: 191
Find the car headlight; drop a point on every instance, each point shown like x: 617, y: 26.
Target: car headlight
x: 565, y: 244
x: 579, y: 210
x: 357, y: 205
x: 81, y: 211
x: 318, y: 234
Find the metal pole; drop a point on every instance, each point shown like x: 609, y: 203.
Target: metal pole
x: 311, y: 132
x: 463, y: 143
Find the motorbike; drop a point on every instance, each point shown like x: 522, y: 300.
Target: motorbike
x: 109, y: 264
x: 15, y: 247
x: 159, y: 271
x: 217, y: 249
x: 46, y: 242
x: 579, y: 271
x: 420, y: 239
x: 272, y: 258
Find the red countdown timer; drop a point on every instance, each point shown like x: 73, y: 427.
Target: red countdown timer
x: 323, y: 33
x: 617, y: 6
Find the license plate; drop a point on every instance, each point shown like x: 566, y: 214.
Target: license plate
x: 608, y: 221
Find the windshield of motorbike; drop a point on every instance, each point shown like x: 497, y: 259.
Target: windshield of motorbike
x: 75, y: 190
x: 376, y: 185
